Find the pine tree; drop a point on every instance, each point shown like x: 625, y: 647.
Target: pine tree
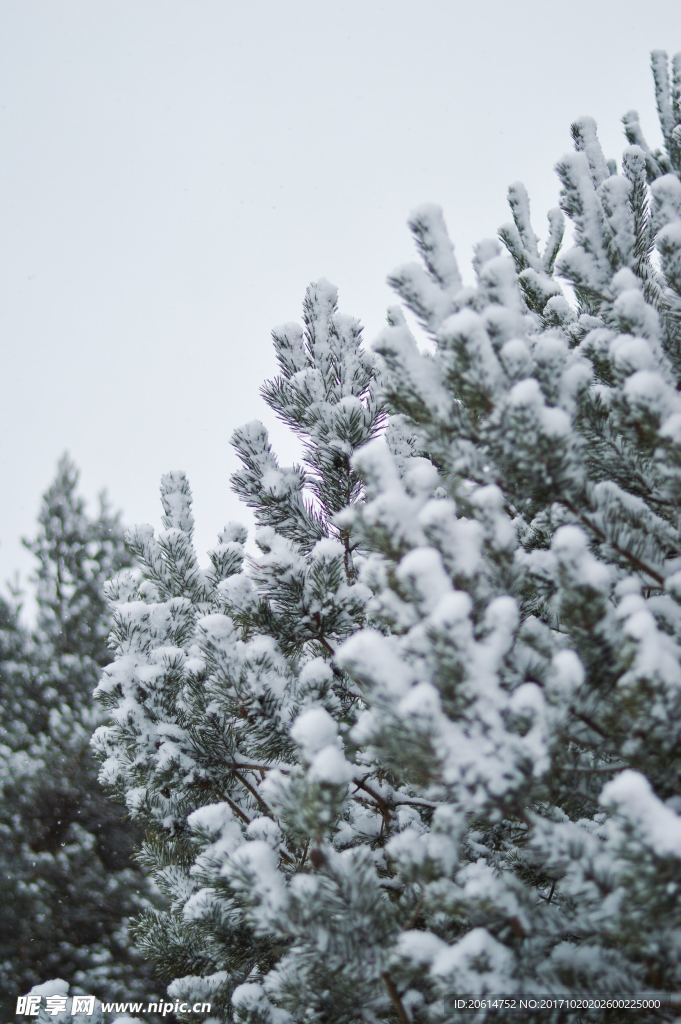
x: 229, y: 714
x: 530, y: 593
x: 18, y: 697
x: 423, y: 743
x: 69, y: 883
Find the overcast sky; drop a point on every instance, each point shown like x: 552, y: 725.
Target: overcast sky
x: 173, y: 174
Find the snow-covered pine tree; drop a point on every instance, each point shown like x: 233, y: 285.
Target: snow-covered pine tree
x: 523, y: 672
x: 229, y: 715
x: 477, y: 791
x: 69, y: 881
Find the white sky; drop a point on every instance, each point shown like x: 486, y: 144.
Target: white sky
x: 173, y: 174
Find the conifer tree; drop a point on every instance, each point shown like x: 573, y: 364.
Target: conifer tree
x: 529, y: 593
x: 228, y: 713
x: 69, y: 881
x: 18, y: 699
x: 424, y: 743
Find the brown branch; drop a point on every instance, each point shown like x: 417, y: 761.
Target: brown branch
x: 264, y: 807
x: 327, y: 647
x: 334, y: 668
x: 380, y: 800
x: 389, y: 804
x: 350, y: 574
x: 587, y: 720
x: 429, y: 804
x: 304, y: 856
x: 634, y: 560
x: 252, y: 767
x: 237, y: 810
x: 398, y: 1005
x: 382, y: 804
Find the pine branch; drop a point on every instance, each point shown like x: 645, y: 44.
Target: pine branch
x: 629, y: 556
x: 402, y: 1015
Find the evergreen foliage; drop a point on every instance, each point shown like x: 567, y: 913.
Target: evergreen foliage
x: 424, y: 743
x: 18, y: 698
x: 214, y: 668
x: 69, y: 881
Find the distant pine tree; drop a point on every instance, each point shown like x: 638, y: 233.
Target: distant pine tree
x: 19, y: 703
x: 69, y: 883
